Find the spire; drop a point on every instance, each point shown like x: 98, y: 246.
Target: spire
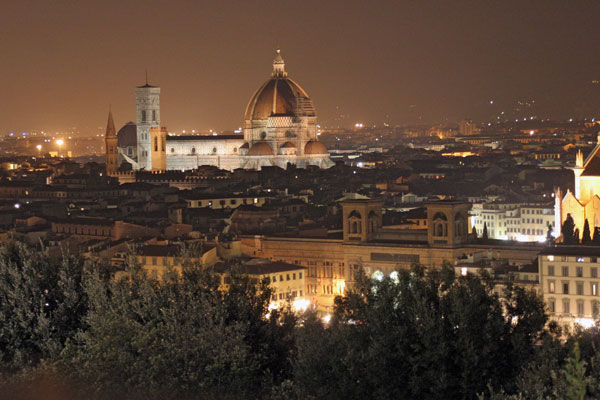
x: 279, y: 65
x: 579, y: 159
x: 146, y: 76
x: 110, y: 126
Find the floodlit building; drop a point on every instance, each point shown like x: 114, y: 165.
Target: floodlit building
x: 280, y: 128
x: 570, y: 284
x: 583, y: 204
x: 364, y: 244
x: 513, y: 221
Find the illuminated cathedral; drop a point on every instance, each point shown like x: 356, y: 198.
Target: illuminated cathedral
x: 582, y: 204
x: 280, y: 128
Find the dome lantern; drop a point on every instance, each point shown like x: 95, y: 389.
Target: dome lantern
x: 279, y: 66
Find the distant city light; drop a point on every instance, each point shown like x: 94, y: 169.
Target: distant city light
x: 60, y: 142
x: 17, y: 205
x: 327, y: 318
x: 358, y: 125
x: 39, y: 147
x: 491, y: 101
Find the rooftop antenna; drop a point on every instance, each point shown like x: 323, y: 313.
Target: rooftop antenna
x: 146, y: 76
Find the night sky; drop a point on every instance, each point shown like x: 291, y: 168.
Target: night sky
x: 64, y: 62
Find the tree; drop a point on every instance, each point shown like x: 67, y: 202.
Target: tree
x: 568, y: 231
x: 42, y: 305
x: 574, y: 373
x: 586, y: 238
x: 417, y: 335
x: 596, y: 238
x: 484, y: 236
x: 181, y: 337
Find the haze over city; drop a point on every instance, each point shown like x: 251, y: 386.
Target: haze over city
x: 64, y: 62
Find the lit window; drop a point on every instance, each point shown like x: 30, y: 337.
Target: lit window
x: 550, y: 258
x: 580, y: 259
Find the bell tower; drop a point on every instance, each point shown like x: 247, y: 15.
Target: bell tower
x: 147, y: 100
x: 110, y: 143
x: 158, y: 153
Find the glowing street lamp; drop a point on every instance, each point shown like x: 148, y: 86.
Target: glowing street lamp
x: 60, y: 142
x: 39, y: 148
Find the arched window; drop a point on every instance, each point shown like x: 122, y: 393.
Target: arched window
x: 162, y: 141
x: 263, y: 135
x: 155, y: 143
x: 193, y: 150
x: 354, y: 222
x: 154, y: 115
x: 143, y: 115
x: 439, y: 231
x: 214, y: 149
x: 441, y: 224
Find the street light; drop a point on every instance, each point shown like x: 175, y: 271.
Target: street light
x: 59, y: 142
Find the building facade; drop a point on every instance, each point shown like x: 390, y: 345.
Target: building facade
x: 583, y: 204
x: 280, y: 128
x: 513, y: 221
x: 365, y: 245
x: 570, y: 284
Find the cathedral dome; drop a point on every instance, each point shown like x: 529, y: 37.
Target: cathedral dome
x: 314, y: 147
x: 279, y: 96
x: 260, y: 149
x: 127, y: 135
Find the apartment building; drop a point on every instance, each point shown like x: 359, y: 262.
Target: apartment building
x: 570, y: 284
x: 513, y: 221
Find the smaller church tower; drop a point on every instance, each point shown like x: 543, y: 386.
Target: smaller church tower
x: 158, y: 153
x: 110, y: 143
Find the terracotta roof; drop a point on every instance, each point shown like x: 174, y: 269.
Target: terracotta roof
x: 277, y: 96
x: 314, y: 147
x: 168, y: 250
x: 260, y: 149
x: 127, y: 135
x: 593, y: 167
x: 259, y: 268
